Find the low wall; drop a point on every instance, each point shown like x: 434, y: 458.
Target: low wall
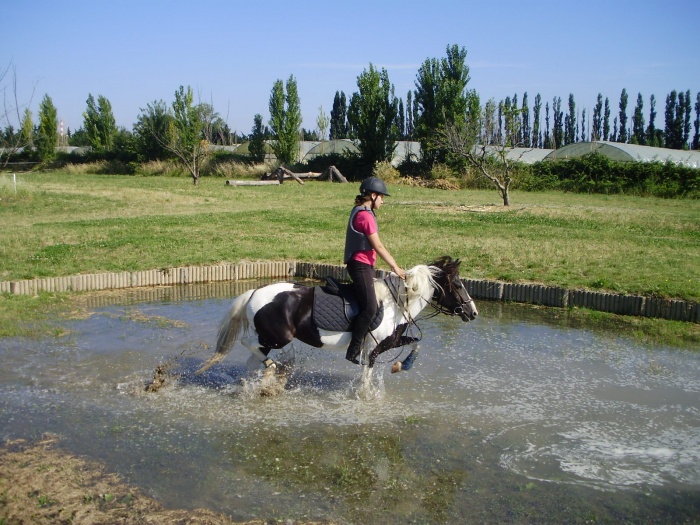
x: 553, y: 296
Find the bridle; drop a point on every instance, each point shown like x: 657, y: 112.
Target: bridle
x: 455, y: 290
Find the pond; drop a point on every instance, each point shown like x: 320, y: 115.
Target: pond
x: 512, y: 418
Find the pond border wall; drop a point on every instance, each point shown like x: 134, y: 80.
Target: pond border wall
x: 554, y: 296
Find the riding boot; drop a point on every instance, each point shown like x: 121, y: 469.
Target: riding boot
x: 354, y: 349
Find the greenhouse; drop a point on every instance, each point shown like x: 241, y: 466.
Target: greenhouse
x: 622, y: 152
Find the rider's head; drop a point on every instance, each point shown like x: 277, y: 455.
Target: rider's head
x: 370, y: 189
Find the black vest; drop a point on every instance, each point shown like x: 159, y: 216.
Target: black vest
x: 355, y: 241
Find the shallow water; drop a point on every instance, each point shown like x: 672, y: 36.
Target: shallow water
x: 511, y: 418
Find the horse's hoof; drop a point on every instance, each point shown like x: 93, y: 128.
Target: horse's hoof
x: 353, y: 360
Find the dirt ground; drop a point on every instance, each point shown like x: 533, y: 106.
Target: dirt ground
x: 40, y: 484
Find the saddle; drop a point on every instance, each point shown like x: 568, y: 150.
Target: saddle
x: 335, y: 307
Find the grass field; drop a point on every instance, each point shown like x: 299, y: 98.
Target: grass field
x: 62, y: 224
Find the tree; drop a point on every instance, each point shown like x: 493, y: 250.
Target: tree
x: 598, y: 119
x: 525, y: 121
x: 638, y: 130
x: 322, y: 123
x: 401, y: 121
x: 570, y: 129
x: 537, y: 109
x: 558, y: 131
x: 606, y: 120
x: 547, y: 136
x: 27, y: 129
x: 150, y: 132
x: 651, y: 130
x: 409, y: 115
x: 47, y: 136
x: 462, y: 138
x: 256, y: 147
x: 696, y: 124
x: 99, y: 123
x: 672, y: 129
x: 13, y: 114
x: 339, y: 125
x: 189, y: 133
x: 623, y: 136
x: 285, y: 120
x: 372, y: 116
x: 441, y: 98
x: 489, y: 126
x: 686, y: 108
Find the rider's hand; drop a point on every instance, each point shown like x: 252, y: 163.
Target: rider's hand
x: 398, y: 271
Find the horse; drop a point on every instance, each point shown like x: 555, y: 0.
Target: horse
x: 272, y: 316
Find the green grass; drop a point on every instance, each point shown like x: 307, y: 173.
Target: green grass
x: 63, y: 224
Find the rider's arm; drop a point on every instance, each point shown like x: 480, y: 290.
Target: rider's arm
x: 378, y: 247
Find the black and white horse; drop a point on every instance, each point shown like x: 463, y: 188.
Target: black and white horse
x: 270, y: 317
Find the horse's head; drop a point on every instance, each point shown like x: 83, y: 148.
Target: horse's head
x: 451, y: 295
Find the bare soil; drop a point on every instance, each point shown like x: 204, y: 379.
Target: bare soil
x: 41, y: 484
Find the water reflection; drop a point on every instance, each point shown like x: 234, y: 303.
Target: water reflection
x: 513, y: 417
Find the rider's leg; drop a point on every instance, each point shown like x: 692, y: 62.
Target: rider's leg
x: 363, y: 282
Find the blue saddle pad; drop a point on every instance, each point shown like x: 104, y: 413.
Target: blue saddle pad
x: 335, y: 307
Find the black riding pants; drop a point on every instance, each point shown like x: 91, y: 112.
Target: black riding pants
x: 362, y: 276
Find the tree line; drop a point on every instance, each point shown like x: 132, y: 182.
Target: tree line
x: 373, y: 116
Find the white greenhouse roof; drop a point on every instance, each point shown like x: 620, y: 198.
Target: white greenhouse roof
x: 627, y: 153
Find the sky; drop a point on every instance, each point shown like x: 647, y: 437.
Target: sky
x: 135, y: 52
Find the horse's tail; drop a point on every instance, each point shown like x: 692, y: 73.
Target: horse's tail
x: 234, y: 324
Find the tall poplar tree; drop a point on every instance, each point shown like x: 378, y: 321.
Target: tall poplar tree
x: 339, y: 125
x: 570, y: 131
x: 490, y: 131
x: 598, y: 119
x: 687, y: 110
x: 638, y: 129
x: 671, y: 132
x: 547, y: 138
x: 526, y: 139
x: 27, y: 129
x: 409, y: 115
x: 99, y: 123
x: 651, y: 129
x: 536, y: 141
x: 623, y: 136
x: 558, y: 131
x: 606, y: 120
x: 47, y: 136
x: 285, y: 120
x: 696, y: 124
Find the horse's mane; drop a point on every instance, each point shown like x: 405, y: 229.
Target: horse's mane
x: 420, y: 280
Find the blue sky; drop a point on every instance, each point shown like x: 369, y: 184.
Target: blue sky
x: 231, y: 52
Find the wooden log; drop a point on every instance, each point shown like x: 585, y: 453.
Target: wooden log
x: 252, y: 183
x: 280, y: 174
x: 333, y: 174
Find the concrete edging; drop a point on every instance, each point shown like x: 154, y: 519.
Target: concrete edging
x: 553, y: 296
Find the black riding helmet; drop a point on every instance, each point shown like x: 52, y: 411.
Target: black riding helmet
x: 373, y: 185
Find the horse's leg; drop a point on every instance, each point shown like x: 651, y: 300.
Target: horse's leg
x: 395, y: 340
x: 259, y: 353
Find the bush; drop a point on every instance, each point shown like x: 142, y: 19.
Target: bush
x: 596, y: 173
x: 386, y: 172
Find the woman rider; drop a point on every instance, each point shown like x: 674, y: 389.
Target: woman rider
x: 362, y: 244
